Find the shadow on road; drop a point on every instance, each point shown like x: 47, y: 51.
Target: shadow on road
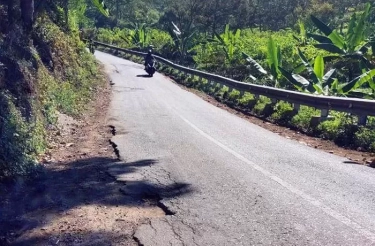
x: 143, y: 76
x: 84, y: 182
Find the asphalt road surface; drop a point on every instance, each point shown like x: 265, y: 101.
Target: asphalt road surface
x: 225, y: 181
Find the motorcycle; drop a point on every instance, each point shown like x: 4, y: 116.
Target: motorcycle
x: 150, y: 68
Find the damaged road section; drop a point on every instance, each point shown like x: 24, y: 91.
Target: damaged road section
x: 142, y: 181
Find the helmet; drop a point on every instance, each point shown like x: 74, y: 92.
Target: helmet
x: 149, y: 52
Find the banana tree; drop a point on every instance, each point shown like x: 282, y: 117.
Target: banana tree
x: 322, y: 83
x: 182, y: 42
x: 302, y: 38
x: 273, y: 61
x: 140, y: 37
x: 100, y: 5
x: 229, y: 42
x: 318, y: 82
x: 351, y: 50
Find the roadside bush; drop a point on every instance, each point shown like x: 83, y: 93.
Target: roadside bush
x: 365, y: 139
x: 260, y: 105
x: 283, y: 113
x: 302, y: 120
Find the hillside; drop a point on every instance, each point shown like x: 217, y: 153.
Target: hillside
x: 45, y: 70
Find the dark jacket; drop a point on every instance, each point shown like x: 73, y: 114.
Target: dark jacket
x: 148, y: 58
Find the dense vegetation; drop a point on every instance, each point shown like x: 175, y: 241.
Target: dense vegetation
x: 44, y: 69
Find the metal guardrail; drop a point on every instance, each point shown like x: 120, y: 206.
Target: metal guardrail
x: 360, y: 107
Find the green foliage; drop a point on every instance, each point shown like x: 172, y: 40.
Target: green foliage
x: 140, y: 37
x: 261, y: 105
x: 349, y: 53
x: 331, y: 129
x: 273, y: 61
x: 228, y: 41
x: 62, y: 76
x: 183, y: 42
x: 365, y: 138
x: 303, y: 118
x: 319, y: 82
x: 21, y: 139
x: 283, y: 113
x: 116, y: 36
x: 102, y: 7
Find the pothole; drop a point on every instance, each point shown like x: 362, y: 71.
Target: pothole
x: 113, y: 130
x: 115, y: 149
x: 138, y: 242
x: 114, y: 146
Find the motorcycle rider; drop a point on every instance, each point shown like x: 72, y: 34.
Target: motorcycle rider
x: 149, y: 58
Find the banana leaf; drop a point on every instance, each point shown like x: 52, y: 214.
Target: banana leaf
x: 298, y: 81
x: 319, y: 38
x: 273, y: 57
x: 330, y: 33
x: 321, y: 26
x: 327, y: 79
x: 337, y: 39
x: 319, y: 67
x: 308, y: 67
x: 254, y: 63
x: 359, y: 81
x: 330, y: 48
x: 100, y: 5
x: 358, y: 32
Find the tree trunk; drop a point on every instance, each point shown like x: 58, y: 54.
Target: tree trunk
x: 66, y: 13
x: 27, y: 13
x: 10, y: 12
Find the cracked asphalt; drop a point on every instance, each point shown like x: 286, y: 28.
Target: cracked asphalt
x: 226, y: 181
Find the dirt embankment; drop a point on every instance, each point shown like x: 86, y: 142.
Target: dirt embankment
x: 75, y: 201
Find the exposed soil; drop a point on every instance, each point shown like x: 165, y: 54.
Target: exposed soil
x: 75, y: 201
x: 353, y: 156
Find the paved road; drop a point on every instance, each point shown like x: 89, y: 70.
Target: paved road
x: 243, y: 184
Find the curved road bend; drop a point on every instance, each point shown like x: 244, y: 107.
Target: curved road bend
x: 248, y: 186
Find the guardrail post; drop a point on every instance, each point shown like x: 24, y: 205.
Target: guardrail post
x: 273, y: 101
x: 256, y: 97
x: 324, y: 113
x: 242, y: 93
x: 296, y: 107
x: 230, y: 89
x: 362, y: 120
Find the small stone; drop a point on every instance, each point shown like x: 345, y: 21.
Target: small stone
x: 69, y: 144
x: 331, y: 152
